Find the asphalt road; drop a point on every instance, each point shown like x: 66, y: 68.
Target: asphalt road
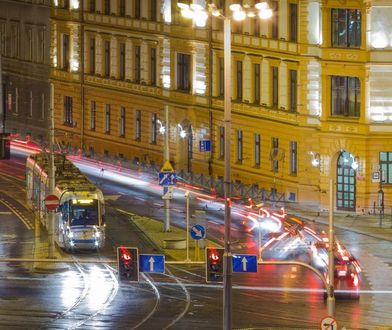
x: 88, y: 296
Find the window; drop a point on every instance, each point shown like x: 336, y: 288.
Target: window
x: 137, y: 9
x: 275, y: 154
x: 92, y: 56
x: 92, y: 6
x: 68, y: 110
x: 183, y: 70
x: 221, y: 142
x: 42, y: 106
x: 346, y: 28
x: 93, y: 115
x: 386, y: 166
x: 121, y: 9
x: 293, y: 157
x: 256, y: 92
x: 107, y: 58
x: 16, y: 109
x: 293, y: 90
x: 31, y: 104
x: 275, y: 20
x: 3, y: 36
x: 239, y: 146
x: 138, y: 123
x: 137, y: 64
x: 107, y: 118
x: 346, y: 96
x: 106, y: 8
x: 154, y: 128
x: 41, y: 46
x: 237, y: 27
x: 15, y: 39
x: 293, y: 22
x: 153, y: 10
x: 239, y: 80
x: 153, y: 66
x: 65, y: 52
x: 221, y: 77
x: 29, y: 44
x: 122, y: 61
x: 275, y: 86
x: 256, y: 27
x: 257, y: 150
x: 122, y: 121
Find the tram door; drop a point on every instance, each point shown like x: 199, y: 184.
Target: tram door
x: 346, y: 183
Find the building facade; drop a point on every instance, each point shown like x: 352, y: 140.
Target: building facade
x: 25, y: 62
x: 311, y: 96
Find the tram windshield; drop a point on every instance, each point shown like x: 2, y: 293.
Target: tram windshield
x: 83, y: 212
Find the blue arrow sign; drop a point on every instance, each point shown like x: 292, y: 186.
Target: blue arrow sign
x: 198, y: 232
x: 244, y: 263
x: 151, y: 263
x: 204, y: 145
x: 167, y: 178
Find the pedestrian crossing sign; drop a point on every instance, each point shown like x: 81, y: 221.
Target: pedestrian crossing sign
x: 167, y: 167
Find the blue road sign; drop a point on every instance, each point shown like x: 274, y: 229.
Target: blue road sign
x: 198, y: 232
x: 244, y: 263
x: 167, y: 178
x: 151, y: 263
x: 204, y: 145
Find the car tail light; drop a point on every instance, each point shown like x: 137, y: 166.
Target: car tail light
x: 355, y: 279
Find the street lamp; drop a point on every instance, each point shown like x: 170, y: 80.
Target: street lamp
x: 199, y: 16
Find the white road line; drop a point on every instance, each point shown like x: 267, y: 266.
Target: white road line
x: 20, y: 217
x: 5, y: 213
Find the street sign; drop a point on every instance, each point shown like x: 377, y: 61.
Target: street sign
x: 244, y: 263
x: 167, y: 178
x: 198, y: 232
x: 51, y: 202
x: 167, y: 192
x: 152, y: 263
x: 167, y: 167
x: 329, y: 323
x: 204, y: 145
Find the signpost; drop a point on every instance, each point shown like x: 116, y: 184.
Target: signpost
x: 167, y: 178
x: 244, y: 263
x: 152, y: 263
x: 204, y: 145
x: 328, y: 323
x: 51, y: 202
x: 198, y: 232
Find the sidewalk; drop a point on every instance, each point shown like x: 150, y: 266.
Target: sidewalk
x: 172, y: 244
x: 359, y: 223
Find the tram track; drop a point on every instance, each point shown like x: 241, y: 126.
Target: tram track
x: 94, y: 278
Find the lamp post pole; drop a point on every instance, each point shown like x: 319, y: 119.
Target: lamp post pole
x: 227, y: 257
x: 52, y: 176
x: 331, y: 247
x: 187, y: 226
x: 166, y: 157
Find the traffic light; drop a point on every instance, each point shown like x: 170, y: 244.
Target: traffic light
x: 214, y: 264
x: 128, y: 263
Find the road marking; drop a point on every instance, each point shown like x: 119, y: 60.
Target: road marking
x: 6, y: 212
x: 17, y: 213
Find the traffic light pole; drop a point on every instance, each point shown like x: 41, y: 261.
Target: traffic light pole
x: 187, y: 226
x: 227, y: 258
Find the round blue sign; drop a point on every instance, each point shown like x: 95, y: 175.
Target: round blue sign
x: 198, y: 232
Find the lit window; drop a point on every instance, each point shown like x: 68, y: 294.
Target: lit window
x: 346, y: 28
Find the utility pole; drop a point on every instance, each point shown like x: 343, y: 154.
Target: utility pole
x: 331, y: 248
x: 166, y: 158
x: 2, y: 110
x: 52, y: 170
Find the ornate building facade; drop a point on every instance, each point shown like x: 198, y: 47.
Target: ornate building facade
x: 25, y: 62
x: 310, y: 89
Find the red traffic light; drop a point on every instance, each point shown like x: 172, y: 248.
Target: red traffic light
x: 128, y: 265
x: 214, y: 264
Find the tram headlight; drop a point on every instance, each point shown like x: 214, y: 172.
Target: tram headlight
x: 97, y: 234
x: 70, y: 234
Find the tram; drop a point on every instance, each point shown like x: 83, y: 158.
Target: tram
x: 80, y: 216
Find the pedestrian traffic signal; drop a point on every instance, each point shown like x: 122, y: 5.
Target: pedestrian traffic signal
x: 128, y: 263
x: 214, y: 264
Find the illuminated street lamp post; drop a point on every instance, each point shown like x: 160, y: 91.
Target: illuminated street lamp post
x: 200, y: 16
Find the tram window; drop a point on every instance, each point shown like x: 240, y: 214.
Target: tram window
x: 84, y: 213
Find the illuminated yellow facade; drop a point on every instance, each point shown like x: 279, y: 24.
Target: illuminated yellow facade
x: 310, y: 88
